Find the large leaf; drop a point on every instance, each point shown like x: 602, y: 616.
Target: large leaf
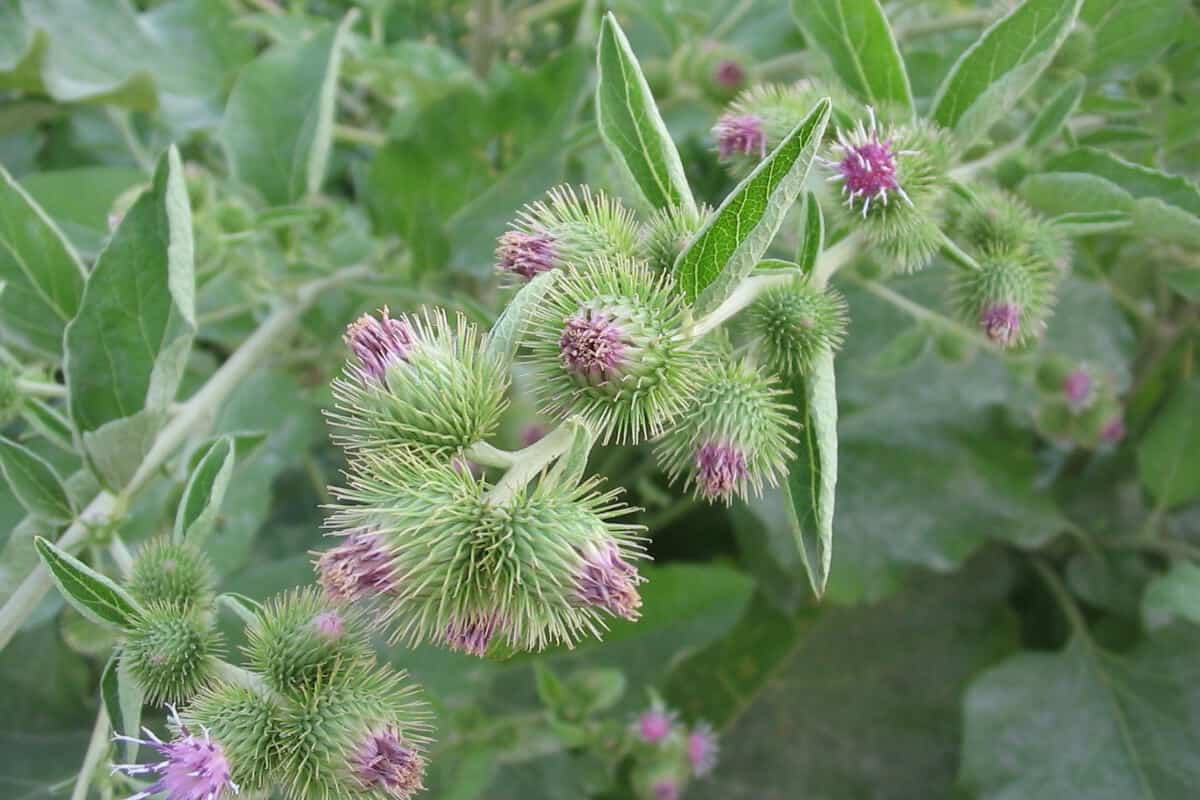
x: 1087, y: 723
x: 990, y: 77
x: 631, y: 125
x: 205, y: 490
x: 278, y: 125
x: 737, y: 236
x: 856, y: 37
x: 1175, y: 595
x: 1053, y: 116
x: 34, y: 482
x: 92, y: 594
x: 127, y: 347
x: 846, y: 703
x: 42, y: 275
x: 1128, y: 34
x: 1169, y: 454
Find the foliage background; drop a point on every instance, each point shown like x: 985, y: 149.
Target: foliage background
x: 1006, y: 616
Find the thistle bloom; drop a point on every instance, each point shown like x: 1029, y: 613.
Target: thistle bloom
x: 720, y: 466
x: 385, y: 761
x: 193, y: 768
x: 1077, y: 388
x: 473, y: 635
x: 377, y: 344
x: 358, y: 569
x: 1001, y: 322
x: 329, y: 624
x: 729, y: 73
x: 527, y: 254
x: 592, y: 345
x: 867, y: 168
x: 608, y: 581
x: 701, y: 749
x: 740, y: 133
x: 1113, y: 430
x: 654, y: 725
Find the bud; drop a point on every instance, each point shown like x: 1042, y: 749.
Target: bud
x: 1153, y: 82
x: 1077, y: 49
x: 736, y: 435
x: 171, y: 651
x: 701, y: 748
x: 359, y: 734
x: 299, y: 640
x: 247, y: 723
x: 608, y: 343
x: 717, y: 69
x: 360, y: 568
x: 654, y: 725
x: 567, y: 228
x: 993, y: 221
x: 760, y: 118
x: 892, y: 181
x: 1113, y: 430
x: 1077, y: 389
x: 172, y: 573
x: 543, y: 566
x: 1009, y: 297
x: 740, y: 134
x: 194, y: 767
x: 794, y: 324
x: 668, y: 233
x: 420, y: 384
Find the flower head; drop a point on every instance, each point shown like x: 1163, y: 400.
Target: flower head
x: 526, y: 254
x: 193, y: 767
x: 473, y: 634
x: 359, y: 568
x: 654, y: 725
x: 701, y: 748
x: 1001, y: 322
x: 728, y: 73
x: 175, y: 573
x: 608, y: 581
x: 377, y: 344
x: 740, y: 133
x: 795, y: 324
x: 593, y: 345
x: 385, y: 761
x: 170, y: 650
x: 1008, y: 297
x: 720, y: 467
x: 867, y: 167
x: 1113, y: 430
x: 1077, y: 388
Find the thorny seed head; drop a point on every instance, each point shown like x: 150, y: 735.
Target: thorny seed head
x: 525, y: 254
x: 1009, y: 297
x: 192, y: 768
x: 1001, y: 322
x: 740, y: 133
x: 720, y: 468
x: 384, y: 761
x: 359, y: 568
x: 795, y: 324
x: 379, y: 343
x: 593, y: 345
x: 170, y: 651
x: 566, y: 229
x: 608, y: 581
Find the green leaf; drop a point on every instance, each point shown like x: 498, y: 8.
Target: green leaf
x: 993, y: 74
x: 505, y: 336
x: 94, y: 595
x: 79, y: 200
x: 572, y: 464
x: 1129, y: 34
x: 812, y: 475
x: 48, y: 422
x: 737, y: 236
x: 631, y: 125
x: 127, y: 347
x: 278, y: 125
x: 205, y: 490
x: 1168, y: 455
x: 812, y: 236
x: 43, y: 277
x: 1054, y: 115
x: 1175, y: 595
x: 1084, y: 722
x: 34, y: 482
x: 856, y: 38
x: 123, y: 700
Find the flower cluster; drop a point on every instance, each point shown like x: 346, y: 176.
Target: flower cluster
x: 668, y: 754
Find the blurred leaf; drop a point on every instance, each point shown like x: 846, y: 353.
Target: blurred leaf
x: 856, y: 38
x: 80, y: 200
x: 34, y: 482
x: 278, y: 125
x: 1128, y: 34
x: 94, y: 595
x: 1175, y: 595
x: 1168, y: 455
x: 1087, y: 723
x: 42, y: 275
x: 993, y: 74
x: 737, y: 235
x: 205, y: 490
x: 812, y: 235
x: 122, y: 698
x: 127, y: 347
x: 631, y: 125
x: 1055, y: 113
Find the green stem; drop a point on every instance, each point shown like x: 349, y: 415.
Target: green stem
x: 836, y: 257
x: 956, y: 255
x: 529, y: 462
x: 39, y: 389
x: 485, y: 455
x: 1063, y: 597
x: 749, y: 290
x: 97, y: 747
x: 353, y: 135
x: 191, y: 416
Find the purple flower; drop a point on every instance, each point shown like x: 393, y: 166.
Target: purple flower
x: 193, y: 768
x: 702, y: 749
x: 720, y: 466
x: 473, y: 635
x: 1001, y: 322
x: 385, y: 761
x: 360, y: 568
x: 1077, y: 388
x: 608, y: 581
x: 525, y: 254
x: 592, y: 345
x: 379, y: 343
x: 867, y: 167
x: 740, y: 133
x: 654, y: 725
x: 665, y: 789
x: 329, y: 624
x: 729, y: 73
x: 1113, y: 430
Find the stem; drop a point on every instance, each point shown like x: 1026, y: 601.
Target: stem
x: 529, y: 462
x: 836, y: 257
x: 1062, y: 596
x: 121, y: 555
x: 920, y: 312
x: 746, y: 293
x: 97, y: 747
x: 956, y: 255
x: 39, y: 389
x: 485, y: 455
x: 353, y: 135
x: 190, y: 417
